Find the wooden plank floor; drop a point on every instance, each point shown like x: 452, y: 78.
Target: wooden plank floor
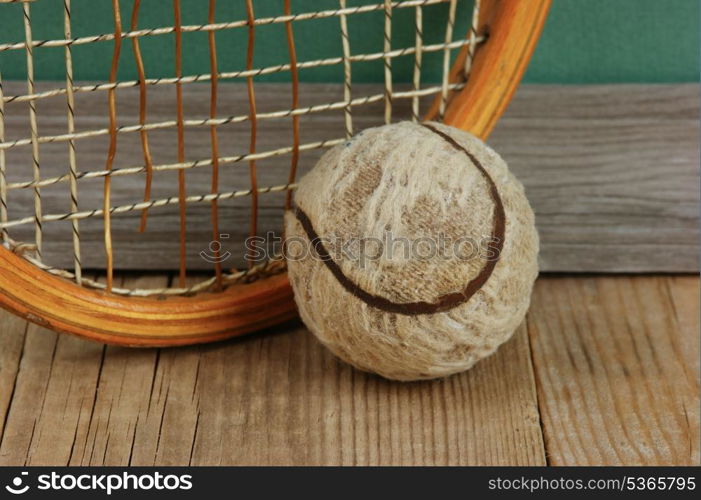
x: 605, y: 370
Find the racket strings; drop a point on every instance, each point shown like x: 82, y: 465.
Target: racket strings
x: 347, y: 73
x: 418, y: 57
x: 315, y: 15
x: 388, y: 61
x: 389, y: 96
x: 294, y: 73
x: 3, y: 167
x: 36, y: 169
x: 70, y: 120
x: 112, y: 150
x: 143, y: 99
x: 214, y: 141
x: 254, y: 125
x: 182, y: 212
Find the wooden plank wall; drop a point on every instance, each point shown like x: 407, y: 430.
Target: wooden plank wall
x: 612, y: 171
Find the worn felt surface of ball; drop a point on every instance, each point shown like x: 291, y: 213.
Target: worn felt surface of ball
x: 421, y: 250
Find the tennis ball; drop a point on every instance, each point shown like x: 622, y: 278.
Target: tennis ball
x: 412, y: 250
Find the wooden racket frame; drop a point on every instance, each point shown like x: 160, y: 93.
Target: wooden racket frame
x: 513, y: 28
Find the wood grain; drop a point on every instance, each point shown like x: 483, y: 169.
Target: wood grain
x: 612, y: 174
x: 604, y: 371
x: 52, y: 400
x: 617, y: 384
x: 612, y: 171
x: 127, y: 382
x: 286, y: 400
x: 12, y: 334
x: 684, y: 292
x: 276, y: 398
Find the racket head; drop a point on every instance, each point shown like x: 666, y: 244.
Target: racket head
x: 262, y: 297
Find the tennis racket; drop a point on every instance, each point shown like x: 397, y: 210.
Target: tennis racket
x: 67, y: 193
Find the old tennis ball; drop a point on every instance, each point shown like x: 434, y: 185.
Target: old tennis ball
x: 412, y: 250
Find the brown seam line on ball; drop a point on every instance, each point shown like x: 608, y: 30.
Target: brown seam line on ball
x: 444, y: 302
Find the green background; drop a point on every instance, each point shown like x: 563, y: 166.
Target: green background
x: 584, y: 41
